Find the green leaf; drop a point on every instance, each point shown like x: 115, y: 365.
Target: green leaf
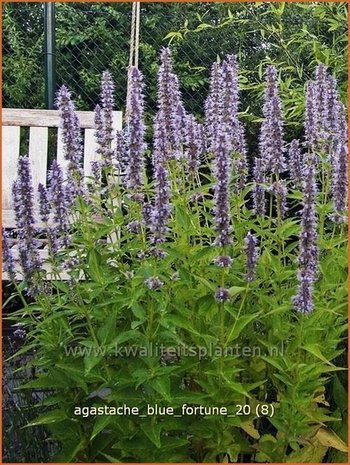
x: 107, y: 331
x: 54, y: 416
x: 239, y: 325
x: 152, y: 431
x: 100, y: 424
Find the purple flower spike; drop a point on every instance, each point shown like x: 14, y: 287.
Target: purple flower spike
x: 194, y: 144
x: 169, y: 106
x: 135, y: 133
x: 230, y: 117
x: 222, y: 295
x: 295, y: 162
x: 308, y: 252
x: 214, y: 107
x: 310, y: 123
x: 279, y: 190
x: 161, y: 209
x: 59, y: 199
x: 222, y: 166
x: 44, y: 204
x: 340, y: 168
x: 72, y: 141
x: 7, y: 256
x: 107, y: 104
x: 258, y: 190
x: 23, y: 195
x: 251, y: 253
x: 271, y: 134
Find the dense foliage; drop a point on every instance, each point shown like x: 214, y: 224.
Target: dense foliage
x: 211, y: 282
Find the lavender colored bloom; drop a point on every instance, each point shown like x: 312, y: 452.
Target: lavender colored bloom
x: 222, y: 295
x: 169, y: 104
x: 134, y: 227
x: 72, y: 141
x: 295, y: 162
x: 20, y: 333
x: 214, y: 107
x: 107, y: 104
x: 197, y: 197
x: 154, y: 283
x: 322, y: 104
x: 251, y: 253
x: 161, y: 209
x: 158, y: 253
x: 222, y: 165
x: 96, y: 170
x: 340, y: 168
x: 308, y: 252
x: 146, y: 213
x: 135, y: 133
x: 194, y: 145
x: 310, y: 122
x: 23, y: 195
x: 271, y: 143
x: 44, y: 204
x: 7, y: 256
x: 59, y: 196
x: 223, y: 261
x: 259, y: 190
x: 70, y: 264
x: 240, y: 160
x: 279, y: 190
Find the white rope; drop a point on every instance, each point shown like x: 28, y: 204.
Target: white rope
x: 134, y: 49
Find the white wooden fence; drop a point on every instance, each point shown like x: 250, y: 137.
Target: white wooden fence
x: 39, y: 122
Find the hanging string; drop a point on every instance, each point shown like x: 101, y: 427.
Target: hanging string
x: 134, y: 49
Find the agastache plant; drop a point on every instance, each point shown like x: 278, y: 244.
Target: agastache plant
x: 59, y: 197
x: 251, y: 254
x: 235, y: 128
x: 7, y: 256
x: 222, y: 169
x: 106, y: 130
x: 271, y: 143
x: 169, y: 104
x: 295, y: 162
x: 213, y: 107
x: 23, y: 199
x: 135, y: 134
x: 72, y: 140
x: 259, y: 203
x: 340, y: 168
x: 194, y: 145
x: 308, y: 251
x: 161, y: 210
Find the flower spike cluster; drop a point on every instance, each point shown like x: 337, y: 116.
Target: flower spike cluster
x: 135, y: 133
x: 23, y: 199
x: 271, y: 143
x: 170, y: 114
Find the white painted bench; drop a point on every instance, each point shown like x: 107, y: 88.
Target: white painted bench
x: 39, y: 122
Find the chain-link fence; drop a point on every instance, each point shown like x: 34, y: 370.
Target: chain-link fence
x: 92, y: 37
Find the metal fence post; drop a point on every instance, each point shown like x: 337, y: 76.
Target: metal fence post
x: 50, y: 54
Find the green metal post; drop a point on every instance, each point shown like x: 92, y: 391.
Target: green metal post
x: 50, y: 54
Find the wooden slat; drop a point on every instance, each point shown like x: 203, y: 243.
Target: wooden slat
x: 8, y: 218
x: 90, y: 154
x: 38, y: 144
x: 60, y: 152
x: 48, y: 118
x: 10, y: 154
